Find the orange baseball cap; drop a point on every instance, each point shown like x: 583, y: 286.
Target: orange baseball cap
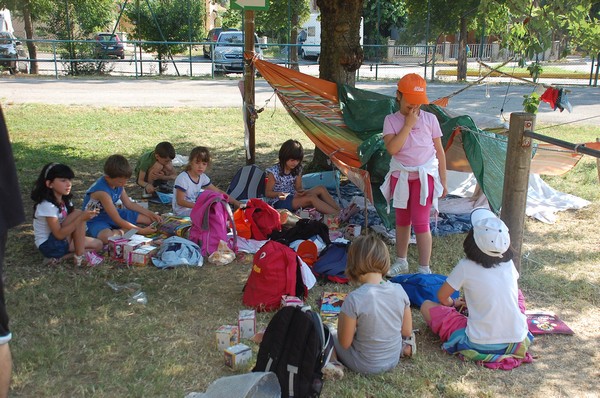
x: 413, y: 89
x: 308, y: 252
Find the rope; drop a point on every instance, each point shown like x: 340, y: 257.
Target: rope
x: 505, y: 140
x: 562, y: 124
x: 505, y: 94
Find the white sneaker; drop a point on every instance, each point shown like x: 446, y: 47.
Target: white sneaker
x: 424, y: 269
x: 400, y: 266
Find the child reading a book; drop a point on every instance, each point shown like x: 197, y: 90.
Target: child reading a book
x: 375, y: 318
x: 284, y: 184
x: 495, y: 331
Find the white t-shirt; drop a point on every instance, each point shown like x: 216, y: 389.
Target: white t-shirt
x: 191, y: 188
x: 41, y: 229
x: 492, y: 298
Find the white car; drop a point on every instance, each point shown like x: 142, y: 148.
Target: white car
x: 228, y: 54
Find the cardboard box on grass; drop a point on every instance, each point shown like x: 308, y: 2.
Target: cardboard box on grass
x: 247, y: 323
x: 141, y: 256
x: 135, y: 242
x: 227, y: 336
x: 238, y: 356
x: 116, y: 245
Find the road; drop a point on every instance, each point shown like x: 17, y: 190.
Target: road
x: 490, y: 100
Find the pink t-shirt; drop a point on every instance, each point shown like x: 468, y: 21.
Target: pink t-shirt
x: 418, y: 148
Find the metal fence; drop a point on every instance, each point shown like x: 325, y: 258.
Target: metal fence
x: 62, y: 57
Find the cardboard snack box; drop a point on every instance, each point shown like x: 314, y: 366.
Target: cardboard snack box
x: 238, y: 356
x: 247, y: 323
x: 142, y: 255
x: 227, y: 336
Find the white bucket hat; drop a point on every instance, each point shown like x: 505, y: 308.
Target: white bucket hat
x: 490, y: 233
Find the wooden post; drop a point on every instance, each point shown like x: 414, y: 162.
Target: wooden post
x: 516, y: 179
x: 598, y: 162
x: 249, y: 86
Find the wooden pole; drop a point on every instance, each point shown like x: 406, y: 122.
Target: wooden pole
x: 516, y: 180
x: 598, y: 162
x: 249, y: 86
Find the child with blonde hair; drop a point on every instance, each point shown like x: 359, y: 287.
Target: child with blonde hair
x: 375, y: 321
x: 191, y: 182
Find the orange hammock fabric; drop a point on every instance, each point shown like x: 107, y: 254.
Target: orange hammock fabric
x: 313, y: 103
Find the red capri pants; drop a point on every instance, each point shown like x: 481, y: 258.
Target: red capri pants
x: 414, y: 213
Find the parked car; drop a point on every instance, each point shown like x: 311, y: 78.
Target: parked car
x: 229, y: 52
x: 211, y: 38
x: 109, y: 46
x: 11, y: 50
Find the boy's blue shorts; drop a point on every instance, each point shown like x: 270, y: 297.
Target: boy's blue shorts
x: 54, y: 248
x: 103, y: 221
x: 285, y: 203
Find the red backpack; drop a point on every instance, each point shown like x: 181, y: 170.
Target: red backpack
x: 210, y: 216
x: 264, y: 220
x: 275, y: 272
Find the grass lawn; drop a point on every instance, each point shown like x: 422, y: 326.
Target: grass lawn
x: 75, y: 336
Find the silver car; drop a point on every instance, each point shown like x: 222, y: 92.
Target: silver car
x: 228, y: 56
x: 11, y: 51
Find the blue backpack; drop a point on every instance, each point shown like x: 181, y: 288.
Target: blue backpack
x: 421, y: 287
x: 331, y: 264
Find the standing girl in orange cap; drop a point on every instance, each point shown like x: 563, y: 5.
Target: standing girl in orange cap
x: 417, y: 176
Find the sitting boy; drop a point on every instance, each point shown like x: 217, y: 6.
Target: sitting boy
x: 105, y: 193
x: 155, y: 170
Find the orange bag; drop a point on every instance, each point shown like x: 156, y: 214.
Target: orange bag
x: 242, y: 224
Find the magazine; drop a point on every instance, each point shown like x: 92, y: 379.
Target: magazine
x: 542, y: 322
x: 331, y: 304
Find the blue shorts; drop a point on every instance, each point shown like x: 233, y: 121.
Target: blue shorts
x: 285, y: 203
x: 54, y: 248
x: 103, y: 221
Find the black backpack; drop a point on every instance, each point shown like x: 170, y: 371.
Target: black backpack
x: 304, y: 229
x: 295, y: 346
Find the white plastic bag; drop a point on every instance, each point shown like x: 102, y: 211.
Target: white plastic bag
x: 223, y: 255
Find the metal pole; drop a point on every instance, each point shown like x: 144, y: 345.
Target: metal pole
x: 427, y: 36
x: 516, y: 179
x: 190, y: 34
x: 289, y: 50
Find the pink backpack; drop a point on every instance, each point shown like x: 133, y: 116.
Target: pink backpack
x: 210, y: 217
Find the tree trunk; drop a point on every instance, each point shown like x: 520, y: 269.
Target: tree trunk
x: 31, y: 47
x: 293, y: 42
x: 341, y: 53
x: 461, y: 70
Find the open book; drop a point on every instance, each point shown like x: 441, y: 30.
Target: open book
x: 542, y: 322
x: 331, y: 304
